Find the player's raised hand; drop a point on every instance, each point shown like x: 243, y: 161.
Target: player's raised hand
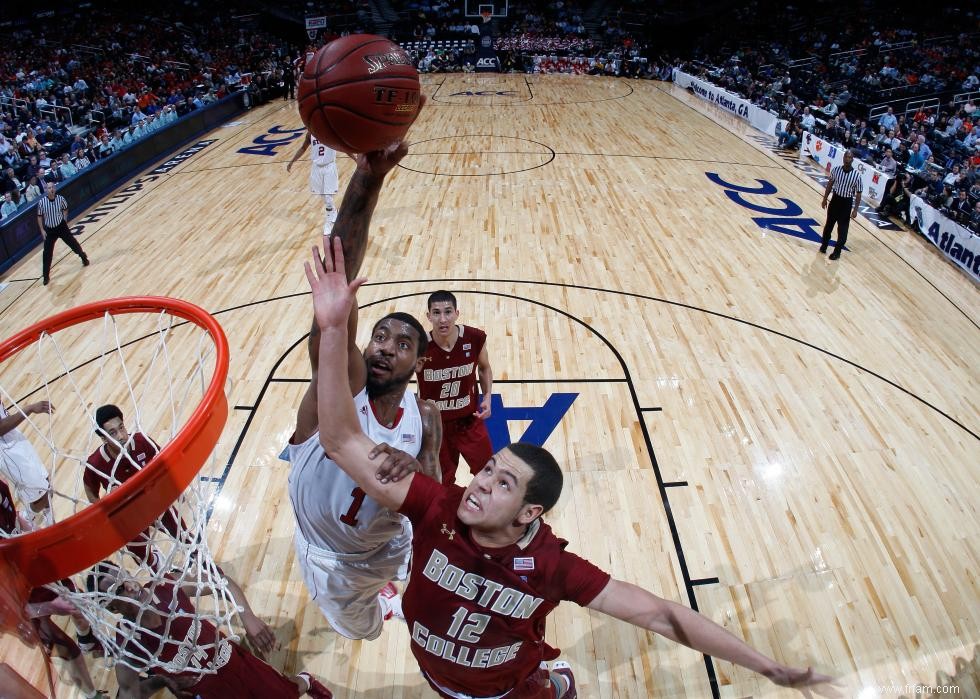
x: 332, y: 295
x: 41, y: 406
x: 810, y: 683
x: 396, y: 465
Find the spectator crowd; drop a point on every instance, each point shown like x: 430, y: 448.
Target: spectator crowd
x: 81, y: 88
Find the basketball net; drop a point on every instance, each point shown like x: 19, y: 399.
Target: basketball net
x: 155, y: 367
x: 487, y: 15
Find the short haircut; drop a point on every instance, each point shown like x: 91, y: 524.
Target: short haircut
x: 441, y: 296
x: 409, y: 319
x: 545, y: 485
x: 104, y: 413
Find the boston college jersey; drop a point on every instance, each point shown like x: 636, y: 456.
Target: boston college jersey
x: 332, y: 513
x: 477, y: 615
x: 322, y: 155
x: 449, y: 378
x: 105, y: 472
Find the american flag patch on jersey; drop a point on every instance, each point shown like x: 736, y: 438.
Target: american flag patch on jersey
x: 467, y: 346
x: 524, y: 563
x: 410, y: 438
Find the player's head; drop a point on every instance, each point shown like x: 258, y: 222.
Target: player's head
x: 520, y: 483
x: 119, y: 592
x: 109, y: 425
x: 442, y: 311
x: 396, y: 351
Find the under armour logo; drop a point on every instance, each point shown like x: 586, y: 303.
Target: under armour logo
x: 448, y: 532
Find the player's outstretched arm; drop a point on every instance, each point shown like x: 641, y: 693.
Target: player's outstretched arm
x: 340, y: 432
x: 678, y: 623
x: 14, y: 419
x: 299, y: 153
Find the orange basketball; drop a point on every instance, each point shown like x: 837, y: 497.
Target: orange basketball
x: 359, y: 93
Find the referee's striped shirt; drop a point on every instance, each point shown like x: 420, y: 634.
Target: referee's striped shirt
x: 846, y: 184
x: 52, y: 210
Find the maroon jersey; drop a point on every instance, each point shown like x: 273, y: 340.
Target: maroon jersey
x: 449, y: 378
x: 477, y: 615
x: 8, y: 512
x: 101, y: 467
x: 198, y: 643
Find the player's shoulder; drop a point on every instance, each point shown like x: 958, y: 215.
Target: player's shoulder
x: 472, y: 332
x: 427, y: 407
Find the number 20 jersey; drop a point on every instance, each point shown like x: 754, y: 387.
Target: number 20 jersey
x: 322, y: 493
x: 449, y: 378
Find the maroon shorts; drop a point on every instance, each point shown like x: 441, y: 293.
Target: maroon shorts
x: 467, y: 436
x: 535, y: 686
x: 247, y: 677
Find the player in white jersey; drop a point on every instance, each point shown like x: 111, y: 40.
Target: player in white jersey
x: 323, y: 176
x: 21, y: 465
x: 348, y: 546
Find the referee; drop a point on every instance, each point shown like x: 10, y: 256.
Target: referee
x: 52, y: 220
x: 845, y: 182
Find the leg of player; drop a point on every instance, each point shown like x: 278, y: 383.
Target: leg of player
x: 391, y: 602
x: 562, y: 680
x: 310, y: 685
x: 474, y: 443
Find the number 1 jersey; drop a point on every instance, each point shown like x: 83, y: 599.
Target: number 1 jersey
x: 331, y: 512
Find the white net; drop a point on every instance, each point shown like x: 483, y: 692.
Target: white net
x: 154, y: 369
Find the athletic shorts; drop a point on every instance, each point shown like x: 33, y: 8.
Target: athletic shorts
x: 23, y: 470
x: 537, y: 685
x: 323, y: 179
x: 467, y: 436
x: 245, y: 677
x: 346, y: 586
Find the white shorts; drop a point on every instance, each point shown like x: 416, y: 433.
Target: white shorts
x: 323, y: 179
x: 346, y: 586
x: 23, y: 470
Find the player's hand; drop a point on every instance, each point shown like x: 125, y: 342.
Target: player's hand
x: 41, y: 406
x: 332, y: 295
x: 259, y: 634
x: 396, y: 465
x: 823, y: 203
x: 807, y: 681
x: 854, y: 213
x: 484, y: 412
x: 289, y: 166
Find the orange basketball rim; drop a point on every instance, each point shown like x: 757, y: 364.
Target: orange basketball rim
x: 88, y: 536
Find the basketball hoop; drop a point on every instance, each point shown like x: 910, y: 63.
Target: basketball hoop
x: 311, y: 33
x: 487, y: 15
x: 169, y: 359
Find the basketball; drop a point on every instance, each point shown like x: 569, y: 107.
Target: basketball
x: 359, y: 93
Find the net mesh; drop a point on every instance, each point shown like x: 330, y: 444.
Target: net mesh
x: 155, y: 368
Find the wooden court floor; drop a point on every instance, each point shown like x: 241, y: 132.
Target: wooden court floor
x: 787, y: 444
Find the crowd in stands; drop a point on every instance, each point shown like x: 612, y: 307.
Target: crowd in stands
x: 933, y: 153
x: 821, y: 79
x: 112, y: 75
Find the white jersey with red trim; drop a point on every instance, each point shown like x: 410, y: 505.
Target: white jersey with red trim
x: 332, y: 512
x: 322, y: 155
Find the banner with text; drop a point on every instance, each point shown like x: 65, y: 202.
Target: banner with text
x: 757, y: 116
x: 829, y: 155
x: 956, y: 242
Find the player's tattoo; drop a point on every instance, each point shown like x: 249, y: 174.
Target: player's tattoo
x: 432, y: 439
x: 354, y: 218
